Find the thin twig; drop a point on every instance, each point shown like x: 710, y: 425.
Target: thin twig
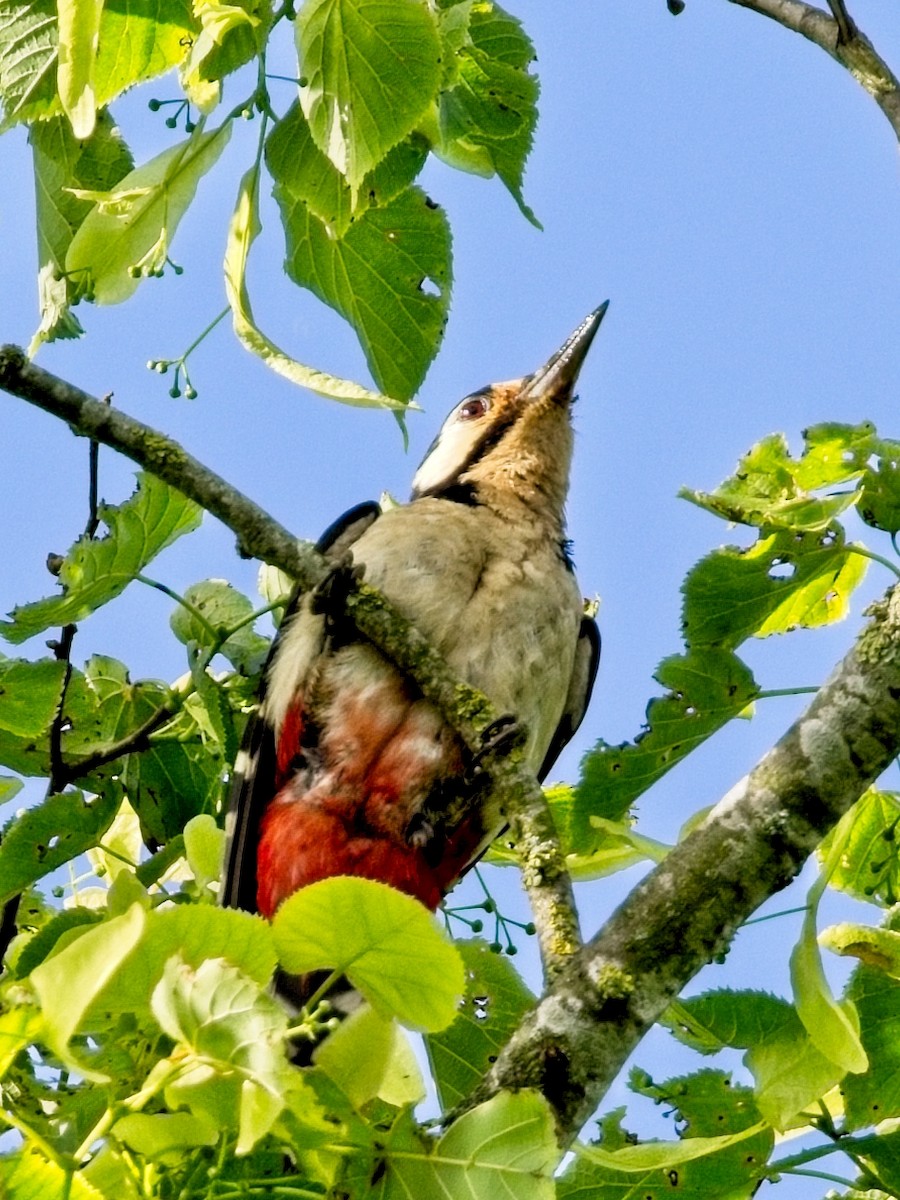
x: 839, y: 37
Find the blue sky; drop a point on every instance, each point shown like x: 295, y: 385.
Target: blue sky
x: 723, y: 182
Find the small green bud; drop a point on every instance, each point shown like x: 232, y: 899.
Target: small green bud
x: 154, y: 105
x: 190, y: 392
x: 175, y: 391
x: 171, y: 122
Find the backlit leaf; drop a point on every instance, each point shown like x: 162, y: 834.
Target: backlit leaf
x: 707, y: 688
x: 387, y: 944
x: 781, y: 582
x: 371, y: 68
x: 127, y: 234
x: 496, y: 1000
x: 242, y: 232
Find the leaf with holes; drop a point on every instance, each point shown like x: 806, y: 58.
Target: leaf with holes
x: 869, y: 865
x: 496, y: 1000
x: 781, y: 582
x: 242, y: 232
x: 97, y: 570
x: 485, y: 121
x: 52, y: 833
x: 389, y: 276
x: 303, y: 174
x: 706, y: 689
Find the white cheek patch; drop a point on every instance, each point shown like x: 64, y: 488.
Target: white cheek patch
x: 448, y: 456
x: 454, y: 446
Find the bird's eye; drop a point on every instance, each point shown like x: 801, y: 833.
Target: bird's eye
x: 474, y: 407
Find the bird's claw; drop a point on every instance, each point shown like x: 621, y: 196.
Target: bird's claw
x: 499, y: 737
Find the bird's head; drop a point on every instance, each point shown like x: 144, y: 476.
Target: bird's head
x: 509, y: 445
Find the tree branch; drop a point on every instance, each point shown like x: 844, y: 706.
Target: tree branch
x: 260, y: 536
x: 685, y: 913
x: 839, y: 37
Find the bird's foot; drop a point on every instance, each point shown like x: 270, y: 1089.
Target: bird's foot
x: 499, y: 737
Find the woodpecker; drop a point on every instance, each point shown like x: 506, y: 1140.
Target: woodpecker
x: 347, y: 769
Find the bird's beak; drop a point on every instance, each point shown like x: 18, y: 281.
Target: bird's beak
x: 556, y: 378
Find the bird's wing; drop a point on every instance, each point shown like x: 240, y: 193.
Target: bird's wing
x: 254, y: 769
x: 584, y: 672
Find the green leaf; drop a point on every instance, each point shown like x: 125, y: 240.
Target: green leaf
x: 28, y: 1175
x: 303, y: 175
x: 789, y: 1072
x: 504, y: 1147
x: 784, y: 581
x: 389, y: 275
x: 28, y: 56
x: 96, y: 571
x: 193, y: 933
x: 127, y: 234
x: 67, y: 983
x: 874, y: 1096
x: 50, y: 834
x: 368, y: 1057
x: 371, y: 68
x: 876, y: 947
x: 236, y: 1073
x: 30, y: 693
x: 78, y: 30
x: 707, y: 687
x: 723, y: 1017
x: 496, y: 1000
x: 832, y: 1026
x: 242, y: 233
x: 869, y: 866
x: 388, y: 945
x: 486, y: 121
x: 663, y: 1156
x: 232, y: 33
x: 774, y: 491
x: 204, y: 848
x: 163, y: 1136
x: 879, y: 503
x: 18, y: 1028
x: 39, y: 947
x: 223, y: 607
x: 172, y: 782
x: 62, y: 162
x: 722, y: 1153
x: 791, y: 1076
x: 9, y: 788
x: 139, y: 41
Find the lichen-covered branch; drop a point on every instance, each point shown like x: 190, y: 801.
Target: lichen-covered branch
x: 684, y: 914
x: 260, y: 536
x: 838, y: 36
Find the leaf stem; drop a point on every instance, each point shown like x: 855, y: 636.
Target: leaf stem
x: 771, y: 693
x: 785, y: 912
x: 185, y: 604
x: 839, y: 1179
x: 865, y: 552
